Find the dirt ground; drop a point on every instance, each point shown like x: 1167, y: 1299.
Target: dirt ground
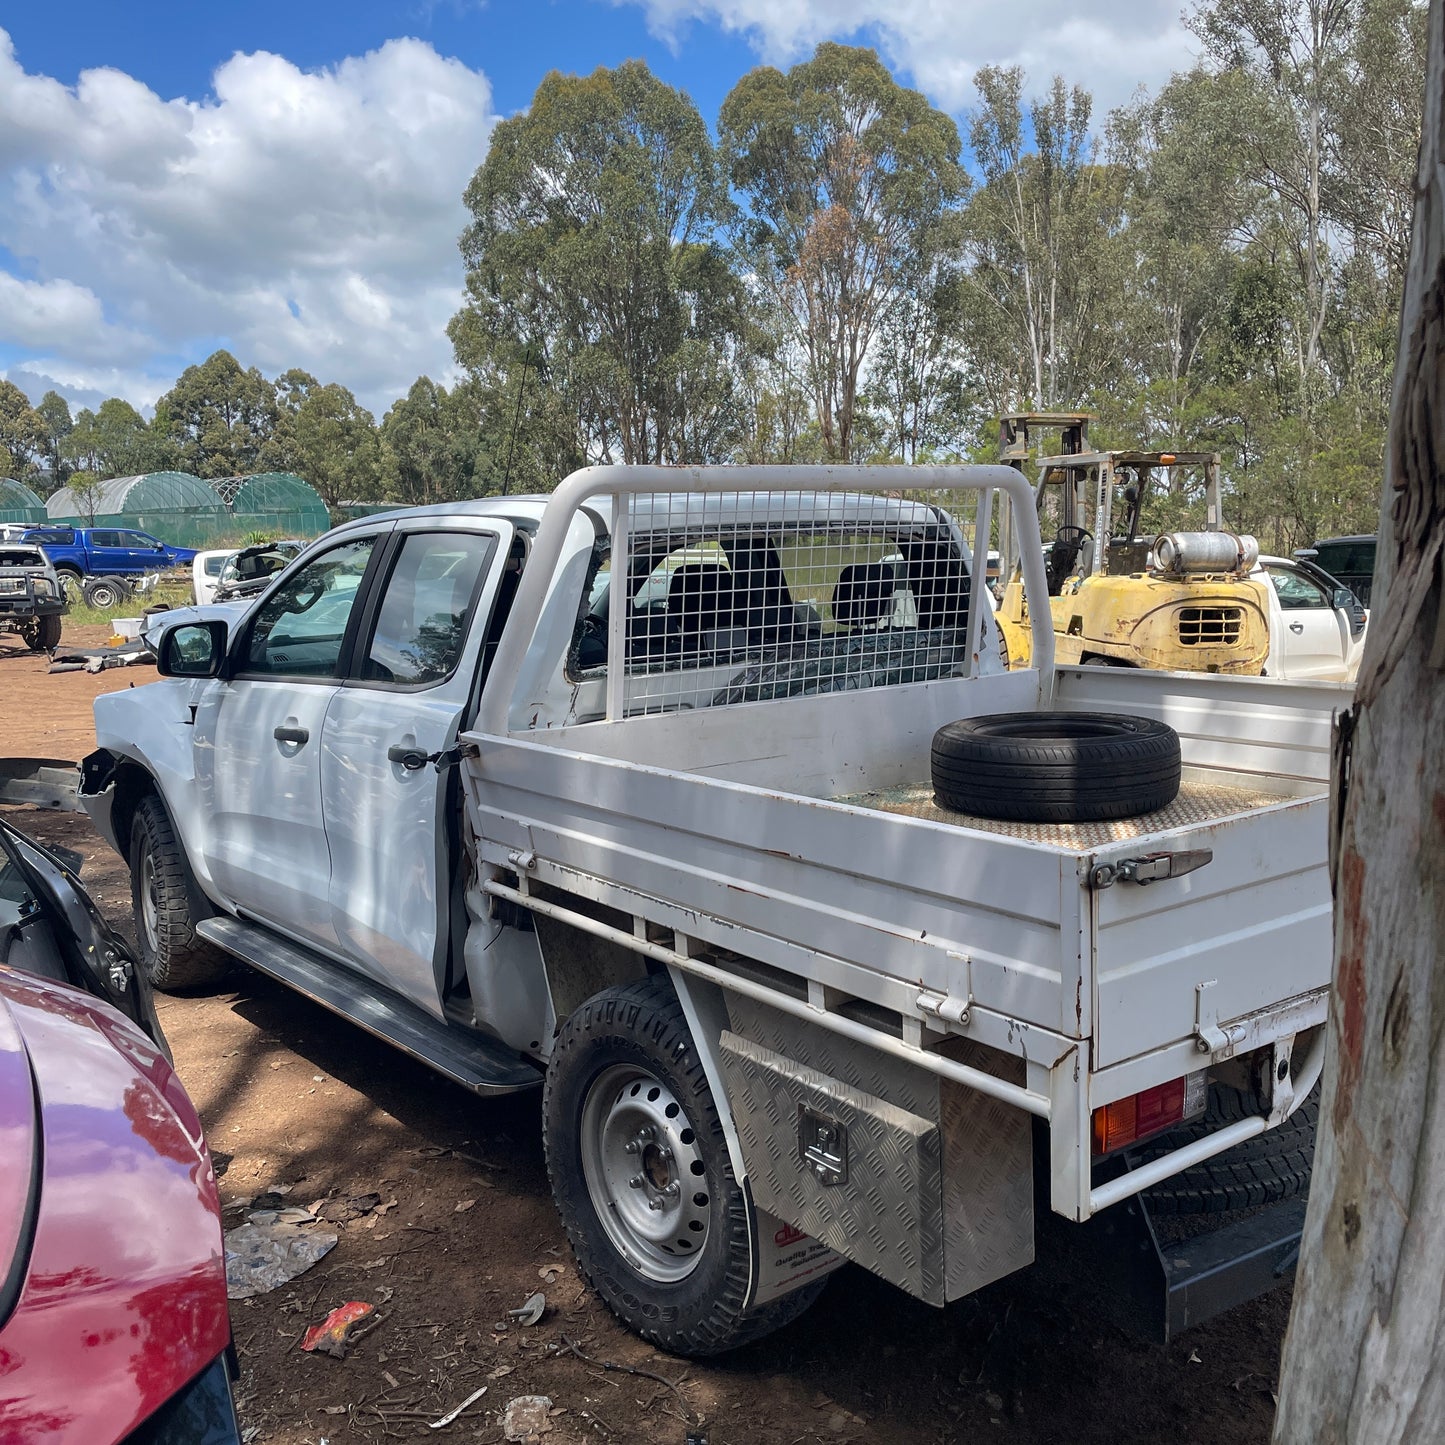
x: 301, y: 1100
x: 45, y: 714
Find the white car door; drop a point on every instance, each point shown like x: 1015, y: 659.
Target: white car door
x: 391, y: 815
x: 1313, y: 640
x: 258, y: 743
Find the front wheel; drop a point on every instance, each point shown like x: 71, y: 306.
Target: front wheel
x: 642, y: 1178
x: 41, y: 634
x: 165, y: 923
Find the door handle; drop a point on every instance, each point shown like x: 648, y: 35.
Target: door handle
x: 411, y: 758
x: 1296, y: 627
x: 286, y: 734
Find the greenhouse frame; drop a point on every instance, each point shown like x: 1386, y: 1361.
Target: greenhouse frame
x: 279, y: 503
x: 19, y: 504
x: 186, y: 511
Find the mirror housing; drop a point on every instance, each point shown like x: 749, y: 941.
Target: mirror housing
x: 1343, y: 600
x: 192, y: 649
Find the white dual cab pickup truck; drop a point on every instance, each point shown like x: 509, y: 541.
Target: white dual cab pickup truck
x: 685, y: 858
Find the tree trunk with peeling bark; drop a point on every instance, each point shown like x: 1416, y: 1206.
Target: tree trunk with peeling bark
x: 1364, y: 1360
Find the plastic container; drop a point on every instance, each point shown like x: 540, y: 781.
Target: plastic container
x: 127, y: 627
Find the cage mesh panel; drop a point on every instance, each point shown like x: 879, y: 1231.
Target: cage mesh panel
x: 748, y: 597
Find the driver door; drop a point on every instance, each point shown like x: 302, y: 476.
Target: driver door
x: 258, y: 742
x: 1315, y: 642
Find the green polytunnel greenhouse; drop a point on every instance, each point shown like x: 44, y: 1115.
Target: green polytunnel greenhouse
x: 279, y: 503
x: 177, y: 508
x: 18, y: 503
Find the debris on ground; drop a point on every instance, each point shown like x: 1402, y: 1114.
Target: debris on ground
x: 343, y: 1211
x: 527, y: 1418
x: 337, y: 1330
x: 262, y: 1257
x: 530, y: 1310
x: 452, y: 1414
x: 97, y: 659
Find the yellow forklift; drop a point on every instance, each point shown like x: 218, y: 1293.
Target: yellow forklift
x: 1180, y: 601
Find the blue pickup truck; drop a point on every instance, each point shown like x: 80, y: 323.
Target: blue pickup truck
x: 105, y: 552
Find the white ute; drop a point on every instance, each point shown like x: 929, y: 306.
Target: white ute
x: 671, y: 851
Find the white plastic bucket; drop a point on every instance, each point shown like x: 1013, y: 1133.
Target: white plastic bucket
x: 127, y: 627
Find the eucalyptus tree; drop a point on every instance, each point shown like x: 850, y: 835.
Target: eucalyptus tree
x: 592, y: 266
x: 843, y: 175
x: 1042, y: 237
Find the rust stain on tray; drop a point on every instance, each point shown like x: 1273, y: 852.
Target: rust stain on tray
x: 1197, y: 803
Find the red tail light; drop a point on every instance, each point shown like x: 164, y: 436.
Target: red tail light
x: 1128, y: 1120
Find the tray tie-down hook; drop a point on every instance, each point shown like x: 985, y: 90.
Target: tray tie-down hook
x: 1151, y: 868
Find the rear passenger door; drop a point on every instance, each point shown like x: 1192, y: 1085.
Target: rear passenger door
x: 391, y: 816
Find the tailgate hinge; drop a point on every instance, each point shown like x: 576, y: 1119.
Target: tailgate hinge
x: 1151, y: 868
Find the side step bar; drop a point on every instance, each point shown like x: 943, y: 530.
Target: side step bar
x: 469, y: 1059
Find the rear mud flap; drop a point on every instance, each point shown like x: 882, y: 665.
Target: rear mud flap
x: 1155, y: 1288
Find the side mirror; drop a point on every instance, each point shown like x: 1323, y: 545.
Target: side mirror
x: 192, y: 649
x: 1344, y: 599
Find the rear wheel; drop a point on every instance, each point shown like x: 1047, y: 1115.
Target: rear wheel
x: 70, y: 583
x: 165, y: 923
x: 642, y: 1178
x: 105, y: 592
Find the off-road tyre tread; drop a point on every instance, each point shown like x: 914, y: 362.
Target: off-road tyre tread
x: 643, y: 1023
x: 981, y: 768
x: 183, y: 961
x: 1267, y: 1169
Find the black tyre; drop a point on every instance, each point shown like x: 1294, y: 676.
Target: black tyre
x: 1063, y: 767
x: 105, y: 592
x: 41, y: 634
x: 1263, y: 1170
x: 165, y: 925
x: 642, y: 1179
x: 70, y: 583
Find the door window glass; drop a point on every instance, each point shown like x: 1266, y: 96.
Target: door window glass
x: 300, y: 627
x: 1295, y: 590
x: 105, y: 539
x: 422, y: 623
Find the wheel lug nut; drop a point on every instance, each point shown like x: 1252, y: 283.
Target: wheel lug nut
x: 636, y: 1182
x: 655, y: 1203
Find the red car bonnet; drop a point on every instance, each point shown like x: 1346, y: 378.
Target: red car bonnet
x: 124, y: 1300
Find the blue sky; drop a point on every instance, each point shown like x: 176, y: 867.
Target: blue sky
x: 285, y: 179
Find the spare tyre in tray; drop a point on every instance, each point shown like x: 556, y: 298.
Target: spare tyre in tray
x: 1055, y: 767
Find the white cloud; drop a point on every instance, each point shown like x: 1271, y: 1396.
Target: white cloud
x: 1109, y: 47
x: 302, y: 218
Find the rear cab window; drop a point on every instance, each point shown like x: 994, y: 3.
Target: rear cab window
x: 757, y: 608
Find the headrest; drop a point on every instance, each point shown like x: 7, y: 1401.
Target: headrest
x: 863, y: 593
